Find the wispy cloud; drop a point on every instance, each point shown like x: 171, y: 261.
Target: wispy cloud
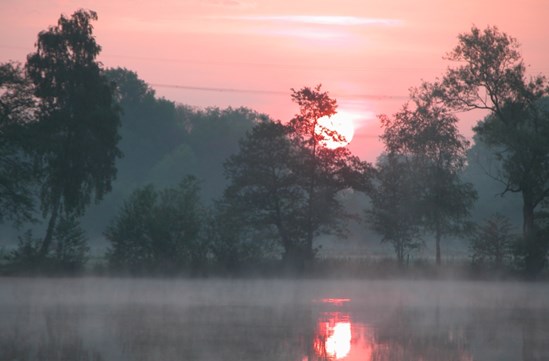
x: 318, y: 20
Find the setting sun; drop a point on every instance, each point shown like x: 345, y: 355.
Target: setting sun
x: 342, y: 124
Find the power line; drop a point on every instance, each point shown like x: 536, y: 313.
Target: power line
x: 270, y: 92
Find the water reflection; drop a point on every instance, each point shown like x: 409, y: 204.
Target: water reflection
x: 337, y: 337
x: 333, y: 336
x: 403, y: 334
x: 186, y: 322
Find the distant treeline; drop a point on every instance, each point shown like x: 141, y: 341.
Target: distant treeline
x: 93, y: 152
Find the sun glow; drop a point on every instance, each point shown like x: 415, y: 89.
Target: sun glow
x: 337, y: 130
x: 334, y: 337
x: 338, y: 344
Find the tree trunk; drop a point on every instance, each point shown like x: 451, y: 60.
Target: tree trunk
x: 312, y: 184
x: 527, y: 215
x: 400, y: 253
x: 535, y: 244
x: 437, y: 244
x: 46, y: 242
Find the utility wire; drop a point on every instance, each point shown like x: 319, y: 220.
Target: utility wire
x: 270, y: 92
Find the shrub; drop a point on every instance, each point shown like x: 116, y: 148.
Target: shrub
x: 68, y: 254
x: 159, y: 231
x: 492, y: 242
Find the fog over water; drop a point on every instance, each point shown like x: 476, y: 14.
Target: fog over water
x: 131, y: 319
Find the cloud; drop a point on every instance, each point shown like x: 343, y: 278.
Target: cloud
x: 318, y: 20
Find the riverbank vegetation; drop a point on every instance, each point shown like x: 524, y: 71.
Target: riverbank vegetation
x: 88, y: 152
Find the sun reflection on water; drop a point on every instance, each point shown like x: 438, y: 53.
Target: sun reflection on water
x: 337, y: 337
x: 335, y: 340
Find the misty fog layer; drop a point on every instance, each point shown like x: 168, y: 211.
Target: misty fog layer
x: 151, y: 319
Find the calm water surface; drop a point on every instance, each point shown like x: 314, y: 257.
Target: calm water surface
x: 124, y: 319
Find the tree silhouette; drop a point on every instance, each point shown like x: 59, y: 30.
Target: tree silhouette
x: 77, y: 133
x: 425, y: 133
x: 285, y: 181
x: 395, y: 206
x: 17, y: 108
x: 492, y: 77
x: 323, y: 171
x: 159, y: 231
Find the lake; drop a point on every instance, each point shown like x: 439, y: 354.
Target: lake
x: 97, y: 319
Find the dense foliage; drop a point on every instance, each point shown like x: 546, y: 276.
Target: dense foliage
x: 425, y: 135
x: 492, y: 76
x: 158, y: 231
x: 255, y: 190
x: 76, y: 133
x: 17, y: 108
x: 284, y: 182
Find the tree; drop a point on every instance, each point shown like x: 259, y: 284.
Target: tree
x: 17, y: 108
x: 234, y: 242
x: 129, y: 233
x: 492, y: 77
x: 425, y: 133
x: 395, y: 205
x: 70, y: 248
x: 159, y: 231
x: 284, y: 180
x: 151, y: 127
x: 492, y: 241
x: 322, y: 172
x: 264, y: 188
x: 163, y: 142
x: 179, y: 222
x: 77, y: 133
x: 68, y: 254
x: 220, y: 130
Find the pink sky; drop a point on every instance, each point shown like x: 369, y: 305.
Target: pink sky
x: 367, y: 54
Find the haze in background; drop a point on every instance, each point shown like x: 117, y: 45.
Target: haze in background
x: 233, y: 53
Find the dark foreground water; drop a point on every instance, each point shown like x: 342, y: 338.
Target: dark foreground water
x: 122, y: 319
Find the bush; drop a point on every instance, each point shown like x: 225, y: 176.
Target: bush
x: 159, y: 231
x: 492, y: 242
x: 70, y: 247
x: 233, y: 245
x: 26, y: 257
x: 68, y: 254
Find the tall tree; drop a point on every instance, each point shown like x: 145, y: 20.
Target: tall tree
x: 286, y: 180
x: 425, y: 132
x: 77, y: 133
x: 264, y: 189
x: 394, y: 213
x: 492, y: 76
x: 17, y: 108
x: 323, y: 172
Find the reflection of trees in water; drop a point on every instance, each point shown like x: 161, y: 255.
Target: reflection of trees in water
x: 212, y: 332
x: 416, y: 335
x: 63, y: 339
x: 286, y: 332
x: 535, y: 335
x: 509, y: 334
x: 54, y: 336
